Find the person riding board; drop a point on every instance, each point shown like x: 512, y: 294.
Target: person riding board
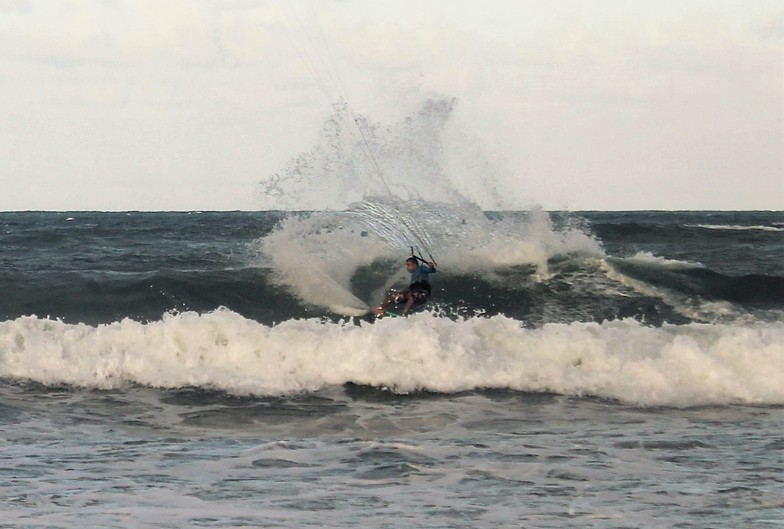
x: 418, y: 290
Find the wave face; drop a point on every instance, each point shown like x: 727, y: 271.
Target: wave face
x: 270, y: 267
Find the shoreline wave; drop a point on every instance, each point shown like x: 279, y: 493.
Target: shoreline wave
x: 673, y: 365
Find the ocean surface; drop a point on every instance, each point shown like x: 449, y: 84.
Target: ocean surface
x: 220, y: 369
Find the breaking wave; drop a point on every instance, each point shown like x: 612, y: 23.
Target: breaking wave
x: 685, y: 365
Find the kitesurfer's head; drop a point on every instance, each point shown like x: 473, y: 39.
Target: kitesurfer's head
x: 411, y: 264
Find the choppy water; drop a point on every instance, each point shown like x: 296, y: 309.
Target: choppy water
x: 573, y: 370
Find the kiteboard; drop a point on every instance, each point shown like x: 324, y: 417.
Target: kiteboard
x: 379, y: 313
x: 390, y: 314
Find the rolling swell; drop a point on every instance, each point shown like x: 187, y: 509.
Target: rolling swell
x: 102, y: 267
x: 100, y: 299
x: 729, y: 243
x: 751, y: 291
x: 578, y: 289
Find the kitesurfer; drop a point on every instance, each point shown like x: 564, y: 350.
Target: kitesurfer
x: 418, y: 290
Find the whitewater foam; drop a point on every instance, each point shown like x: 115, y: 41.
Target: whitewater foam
x: 316, y: 255
x: 650, y: 258
x: 686, y: 365
x: 734, y: 227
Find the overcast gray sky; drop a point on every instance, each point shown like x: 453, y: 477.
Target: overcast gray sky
x: 604, y: 104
